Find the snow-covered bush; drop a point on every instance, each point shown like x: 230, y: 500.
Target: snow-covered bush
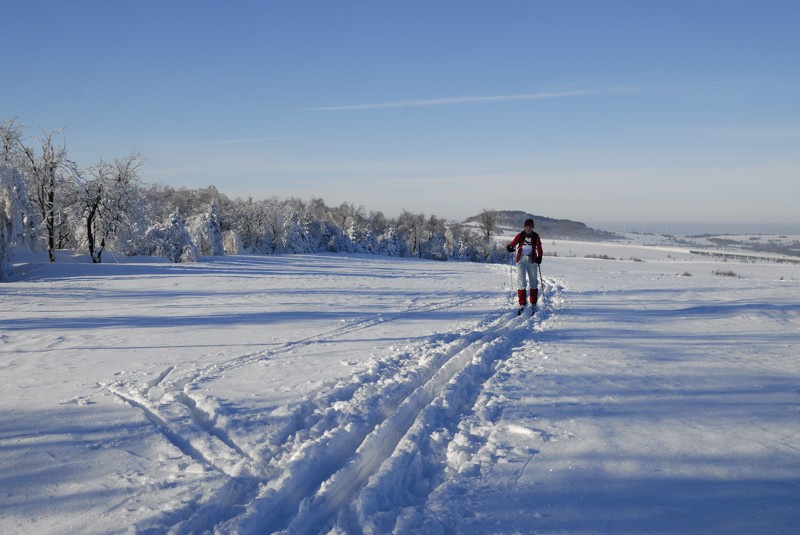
x: 171, y: 241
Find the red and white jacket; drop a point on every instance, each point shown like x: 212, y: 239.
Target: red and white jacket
x: 525, y: 243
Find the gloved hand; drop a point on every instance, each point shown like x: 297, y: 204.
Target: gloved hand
x: 539, y: 260
x: 510, y: 248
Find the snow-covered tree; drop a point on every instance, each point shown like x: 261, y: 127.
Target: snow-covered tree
x: 10, y: 136
x: 12, y: 209
x: 272, y: 226
x: 410, y: 230
x: 451, y: 238
x: 248, y: 220
x: 487, y: 250
x: 185, y: 201
x: 316, y: 210
x: 108, y: 201
x: 346, y: 212
x: 362, y: 234
x: 243, y: 225
x: 46, y: 174
x: 232, y: 243
x: 390, y: 243
x: 338, y: 241
x: 433, y: 243
x: 206, y: 232
x: 379, y: 222
x: 295, y: 236
x: 108, y: 207
x: 170, y: 240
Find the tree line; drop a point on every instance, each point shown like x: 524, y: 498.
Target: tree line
x: 50, y: 203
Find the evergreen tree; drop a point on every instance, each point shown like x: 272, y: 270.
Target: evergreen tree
x: 295, y: 235
x: 390, y: 243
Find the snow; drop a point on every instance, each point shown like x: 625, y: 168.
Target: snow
x: 362, y: 394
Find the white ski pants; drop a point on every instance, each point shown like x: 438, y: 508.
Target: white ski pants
x: 526, y: 268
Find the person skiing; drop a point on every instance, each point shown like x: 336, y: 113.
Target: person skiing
x: 528, y: 246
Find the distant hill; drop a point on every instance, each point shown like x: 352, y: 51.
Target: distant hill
x: 510, y: 221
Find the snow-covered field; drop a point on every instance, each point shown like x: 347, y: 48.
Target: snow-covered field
x: 658, y: 392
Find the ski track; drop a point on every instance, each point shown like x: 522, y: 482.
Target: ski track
x: 388, y: 430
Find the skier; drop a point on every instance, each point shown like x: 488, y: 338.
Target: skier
x: 528, y: 246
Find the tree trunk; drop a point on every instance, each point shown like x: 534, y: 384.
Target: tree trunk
x: 90, y: 235
x: 50, y: 222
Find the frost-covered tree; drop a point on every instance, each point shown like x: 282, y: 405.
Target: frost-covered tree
x: 410, y: 229
x: 487, y: 250
x: 295, y: 235
x: 16, y: 194
x: 433, y: 242
x: 246, y: 218
x: 10, y: 136
x: 362, y: 234
x: 390, y: 243
x: 109, y: 201
x: 468, y: 246
x: 272, y: 218
x: 185, y: 201
x: 451, y: 238
x: 317, y: 210
x: 46, y: 174
x: 346, y: 212
x: 11, y: 157
x: 12, y: 209
x: 206, y: 232
x: 101, y: 208
x: 170, y: 240
x: 243, y: 225
x: 232, y: 243
x: 379, y: 222
x: 337, y: 241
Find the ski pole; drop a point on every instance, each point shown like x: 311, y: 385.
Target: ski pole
x: 511, y: 264
x: 541, y: 283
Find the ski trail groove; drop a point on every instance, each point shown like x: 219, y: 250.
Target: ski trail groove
x: 330, y: 455
x: 207, y: 420
x: 449, y: 436
x: 322, y: 472
x: 379, y: 445
x: 168, y: 403
x: 201, y: 452
x: 160, y: 391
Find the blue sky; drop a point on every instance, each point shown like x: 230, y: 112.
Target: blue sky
x: 631, y: 112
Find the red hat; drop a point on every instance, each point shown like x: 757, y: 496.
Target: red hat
x: 528, y: 223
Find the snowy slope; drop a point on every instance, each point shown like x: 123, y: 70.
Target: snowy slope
x: 360, y: 394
